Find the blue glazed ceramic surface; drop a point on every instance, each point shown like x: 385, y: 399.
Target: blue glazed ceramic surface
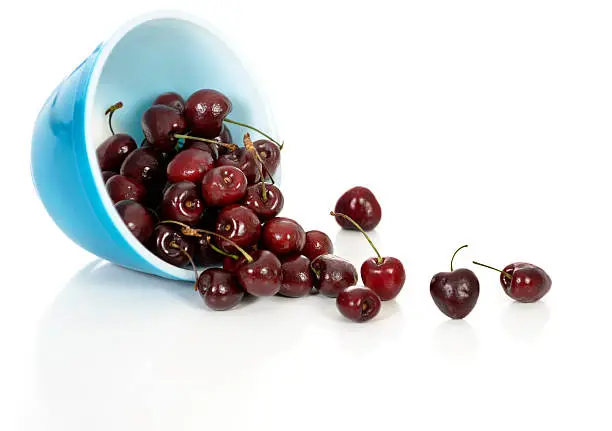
x: 149, y: 55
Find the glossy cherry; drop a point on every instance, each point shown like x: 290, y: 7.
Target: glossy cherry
x: 265, y: 200
x: 113, y: 151
x: 160, y: 123
x: 219, y: 289
x: 283, y: 235
x: 358, y: 304
x: 238, y: 224
x: 121, y: 188
x: 297, y: 276
x: 456, y: 292
x: 360, y: 204
x: 270, y: 154
x: 171, y: 246
x: 223, y: 186
x: 205, y: 111
x: 172, y: 99
x: 137, y: 219
x: 317, y: 243
x: 189, y: 165
x: 523, y: 282
x: 146, y: 166
x: 262, y: 275
x: 243, y: 160
x: 384, y: 275
x: 182, y: 202
x: 333, y: 274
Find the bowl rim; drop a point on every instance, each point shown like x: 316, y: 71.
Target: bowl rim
x: 90, y: 95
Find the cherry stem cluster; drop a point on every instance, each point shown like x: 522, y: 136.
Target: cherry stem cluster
x: 248, y: 126
x: 359, y: 228
x: 250, y: 147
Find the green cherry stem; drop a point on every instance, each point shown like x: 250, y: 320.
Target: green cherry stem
x: 176, y: 246
x: 335, y: 214
x: 455, y: 254
x: 110, y: 111
x: 248, y: 126
x: 221, y: 252
x: 494, y: 269
x: 189, y: 231
x: 231, y: 147
x: 316, y: 272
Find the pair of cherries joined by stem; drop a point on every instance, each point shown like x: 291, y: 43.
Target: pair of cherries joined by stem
x: 456, y: 292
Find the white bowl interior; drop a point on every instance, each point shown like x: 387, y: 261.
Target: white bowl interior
x: 157, y: 53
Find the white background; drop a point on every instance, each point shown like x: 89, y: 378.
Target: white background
x: 476, y: 122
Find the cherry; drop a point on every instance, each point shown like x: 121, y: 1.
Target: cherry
x: 160, y: 123
x: 205, y: 111
x: 360, y: 204
x: 238, y: 224
x: 172, y: 99
x: 113, y: 151
x: 223, y: 186
x: 219, y: 289
x: 146, y: 166
x: 317, y: 244
x: 334, y: 274
x: 522, y: 281
x: 283, y: 235
x: 358, y: 304
x: 384, y: 275
x: 262, y: 275
x: 455, y: 292
x: 265, y: 200
x: 269, y: 153
x: 245, y: 161
x: 107, y: 175
x: 181, y: 202
x: 171, y: 246
x: 297, y: 277
x: 137, y: 218
x: 122, y: 188
x: 189, y: 165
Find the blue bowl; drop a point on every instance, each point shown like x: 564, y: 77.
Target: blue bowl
x: 151, y: 54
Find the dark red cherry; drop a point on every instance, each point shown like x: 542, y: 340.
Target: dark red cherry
x: 219, y: 289
x: 205, y: 111
x: 113, y: 151
x: 189, y: 165
x: 317, y: 243
x: 160, y: 123
x: 181, y: 202
x: 529, y: 283
x: 204, y: 254
x: 262, y: 276
x: 243, y: 160
x: 358, y: 304
x: 266, y: 207
x: 172, y: 99
x: 146, y: 166
x: 167, y: 244
x: 137, y: 219
x: 270, y: 154
x: 385, y: 276
x: 283, y: 235
x: 238, y: 224
x: 334, y: 274
x: 297, y: 276
x: 121, y: 188
x: 106, y: 175
x: 360, y: 204
x: 223, y: 186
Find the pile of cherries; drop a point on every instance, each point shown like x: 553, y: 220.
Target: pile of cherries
x: 194, y: 197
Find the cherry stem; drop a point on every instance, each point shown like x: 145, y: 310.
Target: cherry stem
x: 494, y: 269
x: 231, y: 147
x: 316, y: 272
x: 455, y: 254
x: 173, y: 244
x: 248, y: 126
x: 248, y: 145
x: 189, y: 231
x: 335, y: 214
x: 221, y: 252
x: 110, y: 111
